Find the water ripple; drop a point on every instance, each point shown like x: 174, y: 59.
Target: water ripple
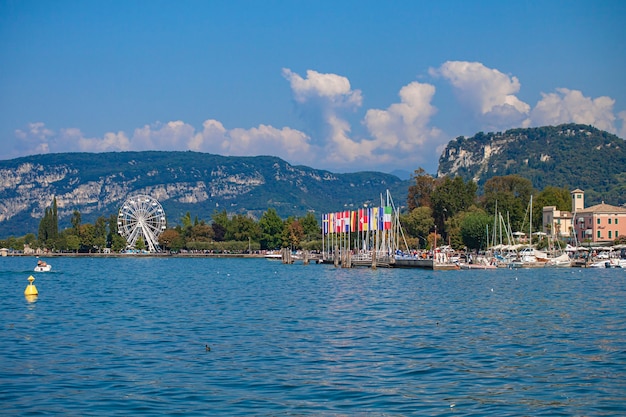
x: 128, y: 336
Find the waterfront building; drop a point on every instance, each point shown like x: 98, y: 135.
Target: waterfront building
x: 557, y: 223
x: 601, y: 223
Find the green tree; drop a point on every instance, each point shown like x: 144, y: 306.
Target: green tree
x: 271, y: 226
x: 43, y: 229
x: 474, y: 228
x: 100, y: 233
x: 551, y: 196
x: 54, y: 229
x: 76, y: 221
x: 72, y: 242
x: 450, y: 197
x: 511, y: 195
x: 201, y: 232
x: 293, y: 233
x: 30, y: 239
x: 418, y: 223
x: 242, y: 228
x: 186, y: 220
x: 453, y: 230
x: 219, y: 225
x: 87, y: 237
x: 48, y: 227
x: 114, y: 240
x: 171, y: 239
x: 14, y: 243
x: 419, y: 193
x: 140, y: 244
x: 311, y: 227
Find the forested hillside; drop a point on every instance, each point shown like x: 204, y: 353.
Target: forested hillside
x: 570, y: 155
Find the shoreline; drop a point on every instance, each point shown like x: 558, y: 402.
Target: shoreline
x: 137, y: 255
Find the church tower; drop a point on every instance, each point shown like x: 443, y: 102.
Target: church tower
x: 578, y: 200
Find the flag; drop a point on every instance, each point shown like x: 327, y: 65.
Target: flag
x: 331, y: 222
x: 381, y: 221
x: 346, y: 221
x: 338, y: 222
x: 325, y: 224
x: 354, y: 222
x: 387, y: 218
x: 374, y: 218
x: 364, y: 224
x: 359, y: 219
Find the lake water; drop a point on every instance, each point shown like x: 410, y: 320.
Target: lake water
x: 118, y: 336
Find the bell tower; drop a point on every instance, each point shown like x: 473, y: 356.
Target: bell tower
x: 578, y: 200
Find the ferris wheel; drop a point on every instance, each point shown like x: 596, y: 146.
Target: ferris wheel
x: 141, y: 216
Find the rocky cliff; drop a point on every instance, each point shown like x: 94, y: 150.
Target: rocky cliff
x: 570, y: 155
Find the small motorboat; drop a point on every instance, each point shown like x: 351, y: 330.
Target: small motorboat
x: 274, y: 256
x: 611, y: 263
x: 42, y: 266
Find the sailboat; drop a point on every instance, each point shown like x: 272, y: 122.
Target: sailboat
x: 530, y: 257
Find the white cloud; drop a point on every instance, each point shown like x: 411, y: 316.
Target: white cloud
x: 399, y: 137
x: 287, y: 143
x: 404, y: 125
x: 322, y: 100
x: 33, y: 140
x: 401, y: 132
x: 35, y: 130
x: 487, y: 91
x: 331, y: 87
x: 174, y: 135
x: 111, y: 141
x: 567, y: 106
x: 211, y: 139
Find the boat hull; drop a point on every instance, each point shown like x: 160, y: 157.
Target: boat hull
x: 46, y: 268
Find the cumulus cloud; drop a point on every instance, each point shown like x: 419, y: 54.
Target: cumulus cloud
x: 288, y: 143
x: 330, y: 87
x: 400, y: 136
x: 400, y: 131
x: 491, y: 97
x: 322, y: 101
x: 35, y: 139
x: 174, y: 135
x: 486, y: 91
x: 566, y: 106
x: 404, y: 125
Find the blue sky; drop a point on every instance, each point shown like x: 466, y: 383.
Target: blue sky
x: 339, y: 85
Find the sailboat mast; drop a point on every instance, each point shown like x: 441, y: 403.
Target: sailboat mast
x: 530, y: 216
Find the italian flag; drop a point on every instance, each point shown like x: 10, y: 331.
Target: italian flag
x: 387, y: 218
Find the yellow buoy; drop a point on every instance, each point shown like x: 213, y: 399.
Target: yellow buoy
x: 31, y: 289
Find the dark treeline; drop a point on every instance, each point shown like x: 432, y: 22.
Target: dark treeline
x: 219, y: 233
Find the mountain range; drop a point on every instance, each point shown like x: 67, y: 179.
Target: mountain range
x: 97, y: 184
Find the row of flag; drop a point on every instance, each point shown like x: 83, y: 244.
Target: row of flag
x: 361, y: 220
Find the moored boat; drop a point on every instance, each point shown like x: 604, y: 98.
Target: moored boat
x: 276, y: 256
x: 609, y: 263
x: 560, y: 261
